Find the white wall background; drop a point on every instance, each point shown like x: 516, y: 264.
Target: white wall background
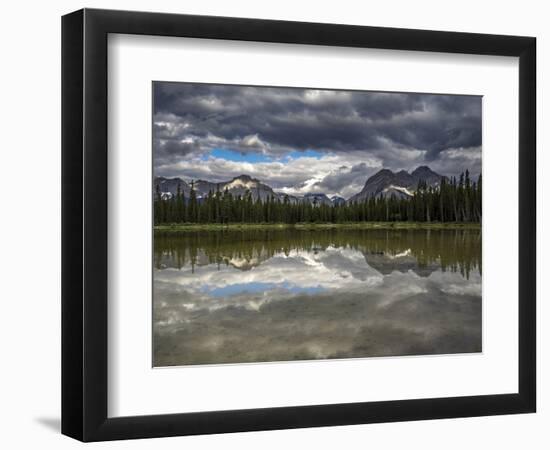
x: 30, y: 237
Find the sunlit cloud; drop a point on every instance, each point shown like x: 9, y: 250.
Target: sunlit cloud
x: 276, y: 308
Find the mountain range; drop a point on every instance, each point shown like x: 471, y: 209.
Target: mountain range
x: 384, y: 183
x: 236, y: 186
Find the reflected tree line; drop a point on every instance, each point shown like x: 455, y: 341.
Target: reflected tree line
x: 450, y: 250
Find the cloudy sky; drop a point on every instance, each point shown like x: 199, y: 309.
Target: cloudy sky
x: 307, y: 140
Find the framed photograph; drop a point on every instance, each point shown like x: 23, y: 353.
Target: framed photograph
x: 273, y: 224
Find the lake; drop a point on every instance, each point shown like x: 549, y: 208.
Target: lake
x: 285, y: 295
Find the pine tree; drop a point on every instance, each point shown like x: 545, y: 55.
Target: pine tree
x: 193, y: 209
x: 449, y: 201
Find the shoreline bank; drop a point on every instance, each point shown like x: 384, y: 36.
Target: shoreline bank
x: 320, y: 226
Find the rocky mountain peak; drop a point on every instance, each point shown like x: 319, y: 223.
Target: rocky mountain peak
x: 244, y: 177
x: 422, y: 170
x: 401, y: 184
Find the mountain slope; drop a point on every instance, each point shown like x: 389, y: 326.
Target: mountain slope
x: 244, y: 183
x: 336, y: 200
x: 317, y: 199
x: 401, y: 184
x: 236, y: 186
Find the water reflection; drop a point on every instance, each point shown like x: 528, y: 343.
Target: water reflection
x: 254, y: 296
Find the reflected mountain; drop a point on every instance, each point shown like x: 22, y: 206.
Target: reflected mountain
x: 275, y: 295
x: 422, y: 251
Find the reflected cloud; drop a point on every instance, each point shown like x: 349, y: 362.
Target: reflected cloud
x: 252, y: 300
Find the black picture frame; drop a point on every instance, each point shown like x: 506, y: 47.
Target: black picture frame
x: 84, y: 224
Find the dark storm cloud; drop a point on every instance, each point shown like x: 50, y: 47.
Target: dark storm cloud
x: 393, y: 130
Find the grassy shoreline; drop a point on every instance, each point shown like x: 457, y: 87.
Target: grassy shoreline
x: 320, y: 226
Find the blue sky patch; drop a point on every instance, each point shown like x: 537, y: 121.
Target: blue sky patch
x: 309, y: 153
x: 259, y: 287
x: 253, y: 157
x: 232, y: 155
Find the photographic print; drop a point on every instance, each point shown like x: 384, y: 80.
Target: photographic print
x: 296, y: 224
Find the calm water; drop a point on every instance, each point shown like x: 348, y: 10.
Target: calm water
x: 232, y: 296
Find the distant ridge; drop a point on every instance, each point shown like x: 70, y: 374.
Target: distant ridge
x: 383, y: 183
